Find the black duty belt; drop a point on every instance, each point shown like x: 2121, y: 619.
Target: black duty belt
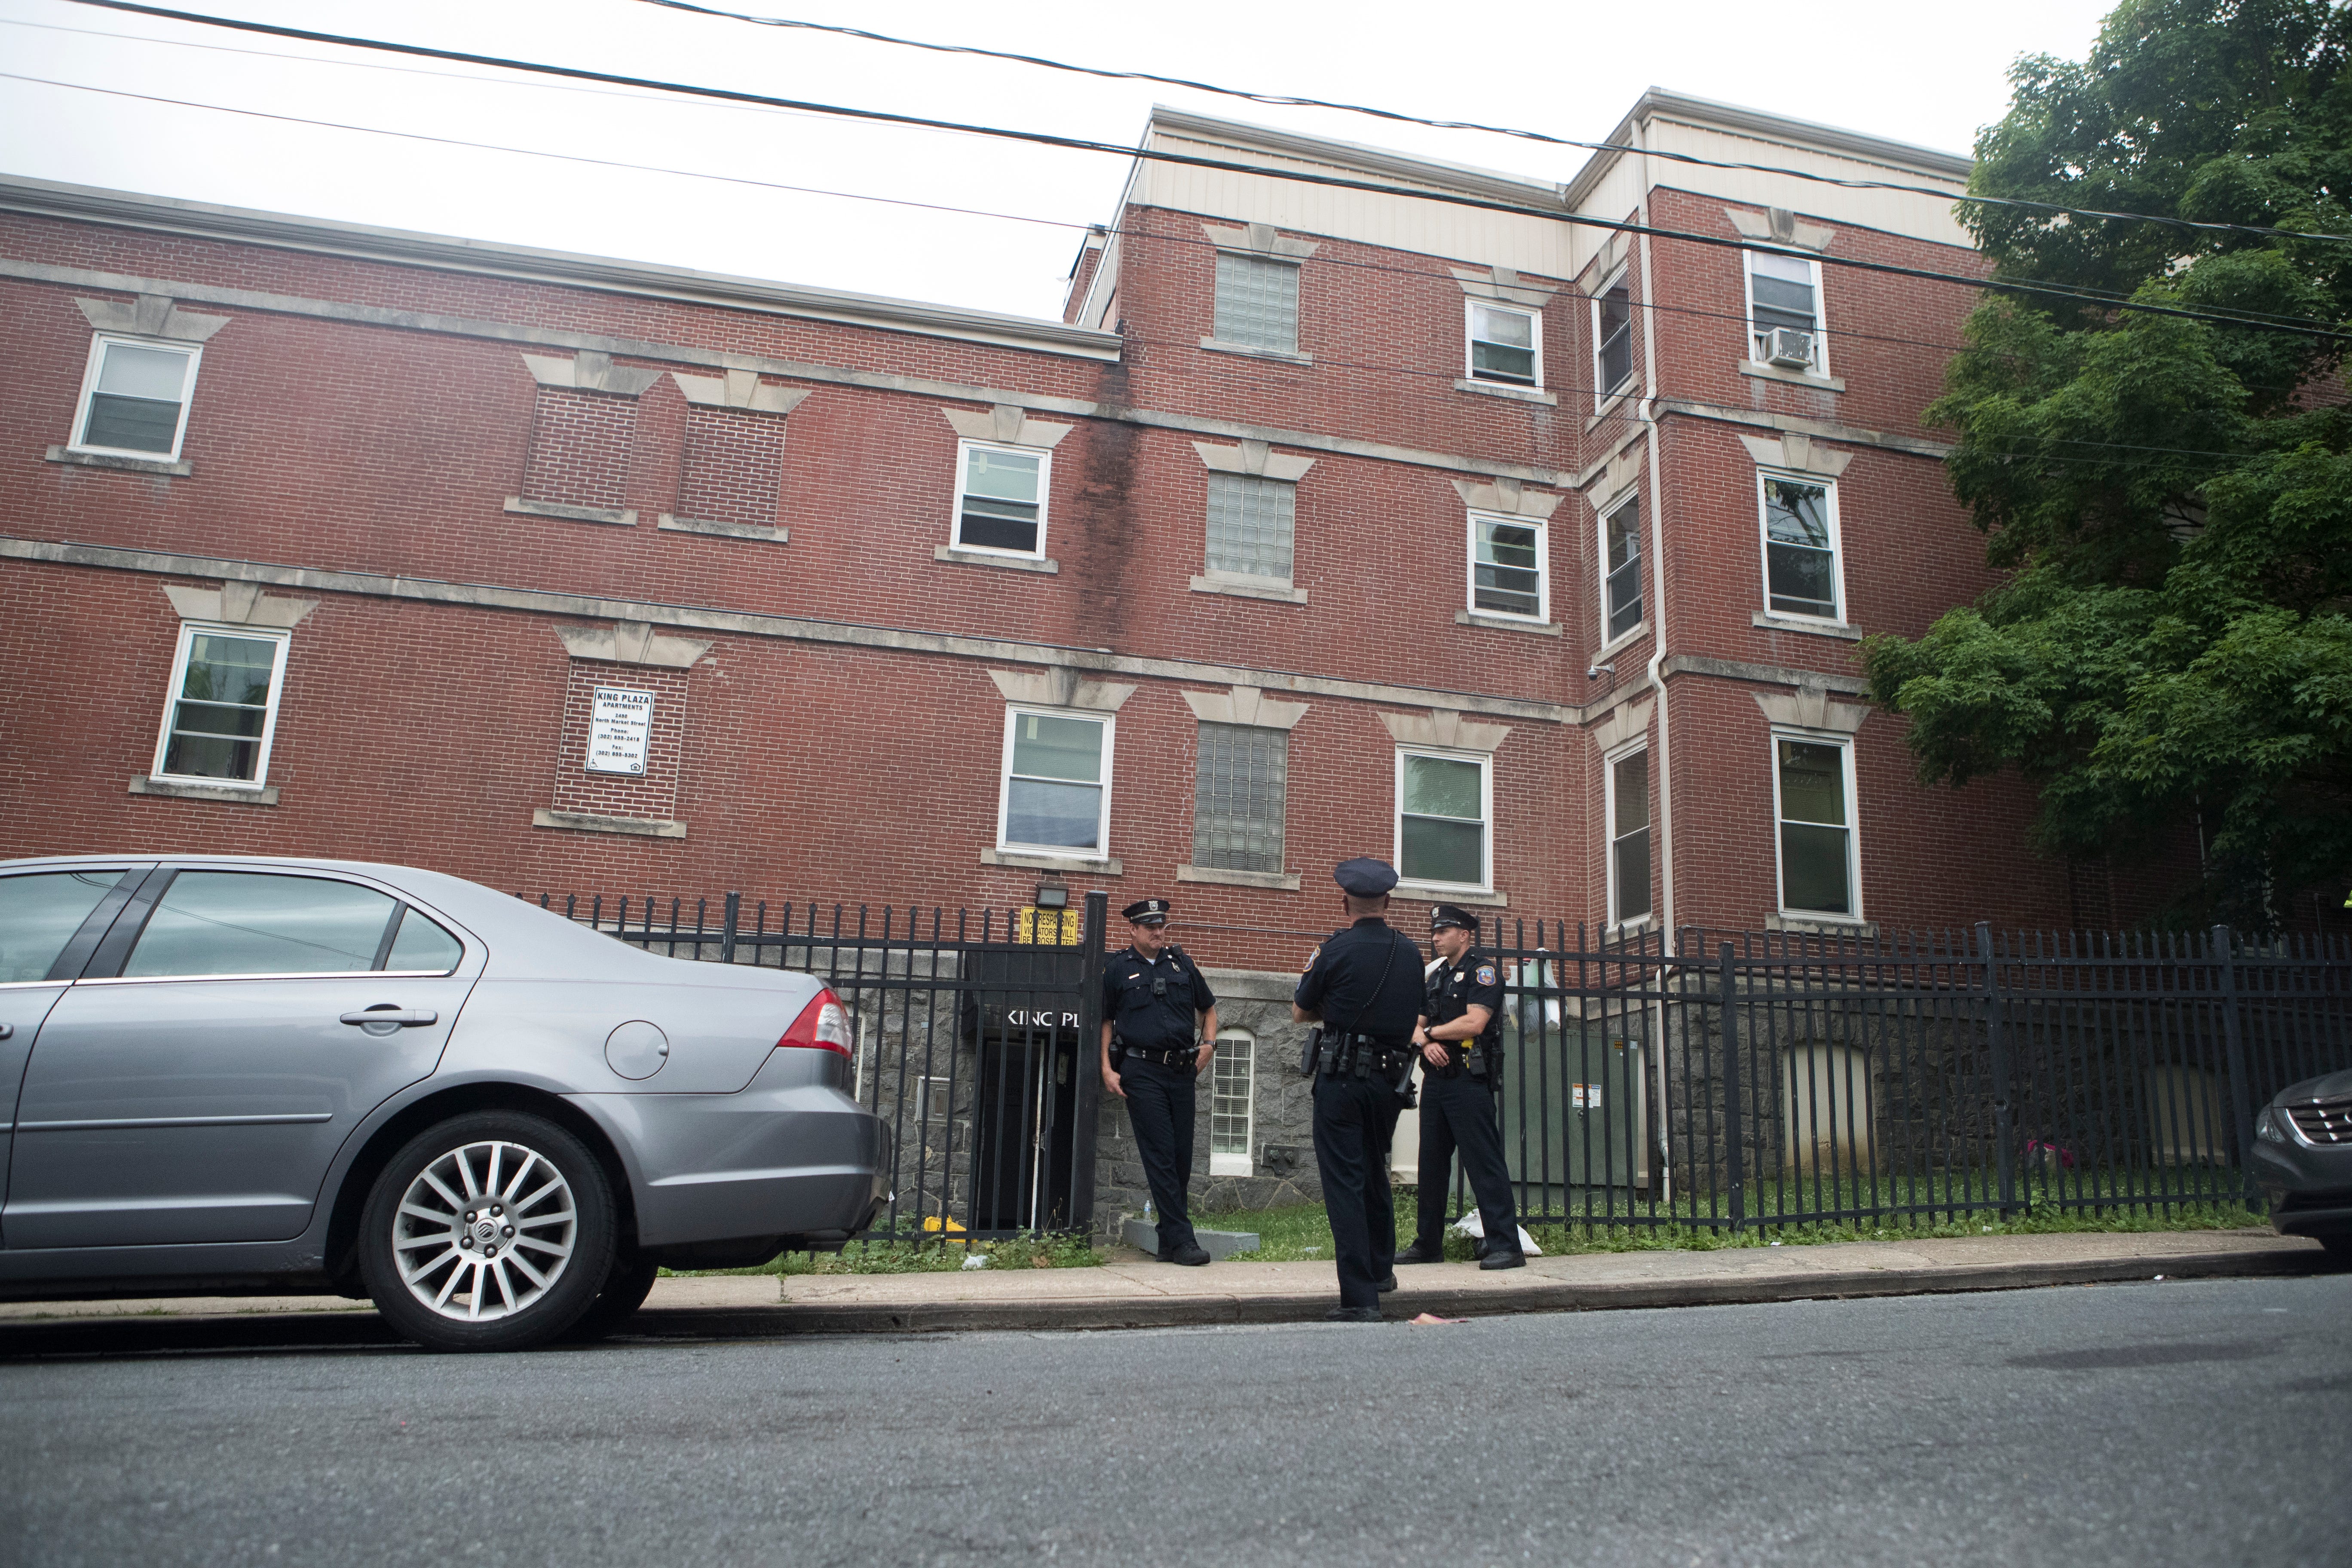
x: 1361, y: 1055
x: 1174, y: 1055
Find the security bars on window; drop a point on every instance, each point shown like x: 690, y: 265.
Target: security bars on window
x: 135, y: 398
x: 1251, y: 522
x: 1257, y: 302
x: 1240, y: 786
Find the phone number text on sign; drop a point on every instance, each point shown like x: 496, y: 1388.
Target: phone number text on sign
x: 617, y: 729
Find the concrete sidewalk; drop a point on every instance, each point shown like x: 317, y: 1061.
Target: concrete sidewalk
x: 1144, y: 1294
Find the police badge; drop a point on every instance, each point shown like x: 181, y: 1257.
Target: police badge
x: 1486, y: 974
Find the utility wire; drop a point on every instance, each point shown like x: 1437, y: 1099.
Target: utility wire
x: 1287, y: 100
x: 2297, y: 325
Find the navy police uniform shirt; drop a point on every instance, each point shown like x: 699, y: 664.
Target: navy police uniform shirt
x: 1473, y: 980
x: 1343, y: 985
x: 1160, y: 1023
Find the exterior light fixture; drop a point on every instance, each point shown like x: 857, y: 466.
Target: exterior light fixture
x: 1052, y: 896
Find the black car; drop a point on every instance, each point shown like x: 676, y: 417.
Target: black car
x: 2302, y: 1158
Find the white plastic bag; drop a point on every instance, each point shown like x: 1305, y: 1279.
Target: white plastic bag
x: 1475, y: 1225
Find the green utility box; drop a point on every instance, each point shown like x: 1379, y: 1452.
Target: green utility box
x: 1573, y: 1109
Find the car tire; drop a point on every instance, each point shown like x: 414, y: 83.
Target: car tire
x: 627, y: 1286
x: 492, y: 1231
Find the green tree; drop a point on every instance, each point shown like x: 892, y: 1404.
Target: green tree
x: 2169, y: 499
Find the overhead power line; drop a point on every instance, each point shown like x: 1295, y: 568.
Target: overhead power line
x: 2301, y: 326
x: 1290, y: 101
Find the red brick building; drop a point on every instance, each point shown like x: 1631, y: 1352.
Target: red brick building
x: 1527, y: 551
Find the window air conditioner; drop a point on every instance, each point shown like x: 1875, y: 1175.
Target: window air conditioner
x: 1788, y: 346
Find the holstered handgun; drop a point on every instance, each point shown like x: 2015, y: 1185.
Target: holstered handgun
x: 1310, y: 1056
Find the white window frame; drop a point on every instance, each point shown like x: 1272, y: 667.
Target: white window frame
x: 1045, y: 455
x: 189, y: 632
x: 1632, y: 498
x: 1603, y: 395
x: 1837, y: 547
x: 1609, y: 762
x: 1226, y: 1163
x: 1821, y: 366
x: 1543, y: 567
x: 1844, y: 743
x: 194, y: 352
x: 1101, y: 851
x: 1471, y: 306
x: 1486, y: 761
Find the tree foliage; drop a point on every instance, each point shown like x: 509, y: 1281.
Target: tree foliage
x: 2170, y: 500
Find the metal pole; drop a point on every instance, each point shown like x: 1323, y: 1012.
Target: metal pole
x: 727, y: 937
x: 2234, y: 1049
x: 1733, y: 1121
x: 1997, y: 1064
x: 1092, y: 929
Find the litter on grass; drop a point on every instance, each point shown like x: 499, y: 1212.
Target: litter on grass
x: 976, y: 1261
x: 1475, y: 1225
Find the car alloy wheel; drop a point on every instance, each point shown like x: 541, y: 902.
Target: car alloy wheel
x: 484, y: 1231
x: 491, y: 1231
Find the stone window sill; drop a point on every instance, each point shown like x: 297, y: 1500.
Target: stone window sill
x: 1272, y: 588
x: 1621, y: 642
x: 983, y: 558
x: 1609, y: 406
x: 1051, y: 862
x: 1231, y: 1165
x: 1286, y: 356
x: 1505, y: 623
x: 179, y: 470
x: 181, y: 789
x: 591, y: 822
x: 1625, y: 931
x: 1438, y: 892
x: 1773, y: 622
x: 1793, y: 377
x: 1504, y: 389
x: 669, y: 524
x: 1282, y: 882
x: 1820, y: 925
x: 521, y: 508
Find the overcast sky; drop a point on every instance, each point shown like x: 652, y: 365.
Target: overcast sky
x: 1929, y: 75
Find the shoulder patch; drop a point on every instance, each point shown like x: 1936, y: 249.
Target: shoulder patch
x: 1487, y: 976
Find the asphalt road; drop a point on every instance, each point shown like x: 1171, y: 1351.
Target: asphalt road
x: 2180, y: 1422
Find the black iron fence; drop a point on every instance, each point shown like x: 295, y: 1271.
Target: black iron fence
x: 972, y: 1030
x: 1713, y: 1080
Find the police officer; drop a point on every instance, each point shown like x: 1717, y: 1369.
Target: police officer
x: 1461, y: 1038
x: 1159, y: 1029
x: 1363, y: 987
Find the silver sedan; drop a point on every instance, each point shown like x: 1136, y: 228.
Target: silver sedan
x: 232, y: 1074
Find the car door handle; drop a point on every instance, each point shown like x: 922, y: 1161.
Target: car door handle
x: 8, y: 1031
x: 405, y: 1017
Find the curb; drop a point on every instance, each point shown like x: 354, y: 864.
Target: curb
x: 946, y: 1316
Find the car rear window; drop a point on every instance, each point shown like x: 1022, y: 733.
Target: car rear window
x: 246, y: 922
x: 422, y: 945
x: 39, y: 913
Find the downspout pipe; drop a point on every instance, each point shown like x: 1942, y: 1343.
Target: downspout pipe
x: 1656, y: 668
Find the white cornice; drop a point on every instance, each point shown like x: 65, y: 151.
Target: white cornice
x: 168, y: 215
x: 1491, y: 183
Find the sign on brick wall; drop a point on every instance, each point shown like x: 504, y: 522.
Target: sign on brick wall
x: 619, y: 724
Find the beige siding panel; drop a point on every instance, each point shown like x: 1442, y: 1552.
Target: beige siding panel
x: 1894, y: 212
x: 1616, y: 198
x: 1531, y: 244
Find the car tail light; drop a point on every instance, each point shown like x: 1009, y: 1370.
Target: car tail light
x: 822, y: 1025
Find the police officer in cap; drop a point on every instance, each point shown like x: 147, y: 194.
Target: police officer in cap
x: 1363, y: 988
x: 1160, y: 1030
x: 1461, y: 1038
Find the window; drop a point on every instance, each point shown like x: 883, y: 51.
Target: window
x: 1057, y: 792
x: 1612, y: 341
x: 40, y: 913
x: 1801, y: 547
x: 223, y: 707
x: 1812, y: 784
x: 1239, y: 788
x: 1001, y: 498
x: 134, y: 398
x: 1505, y: 345
x: 1784, y: 297
x: 1230, y: 1074
x: 1442, y: 806
x: 1620, y: 568
x: 1507, y: 569
x: 1257, y: 302
x: 245, y: 922
x: 1629, y: 838
x: 1251, y: 522
x: 422, y: 947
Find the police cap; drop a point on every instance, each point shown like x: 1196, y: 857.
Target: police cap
x: 1445, y: 915
x: 1364, y: 878
x: 1147, y: 913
